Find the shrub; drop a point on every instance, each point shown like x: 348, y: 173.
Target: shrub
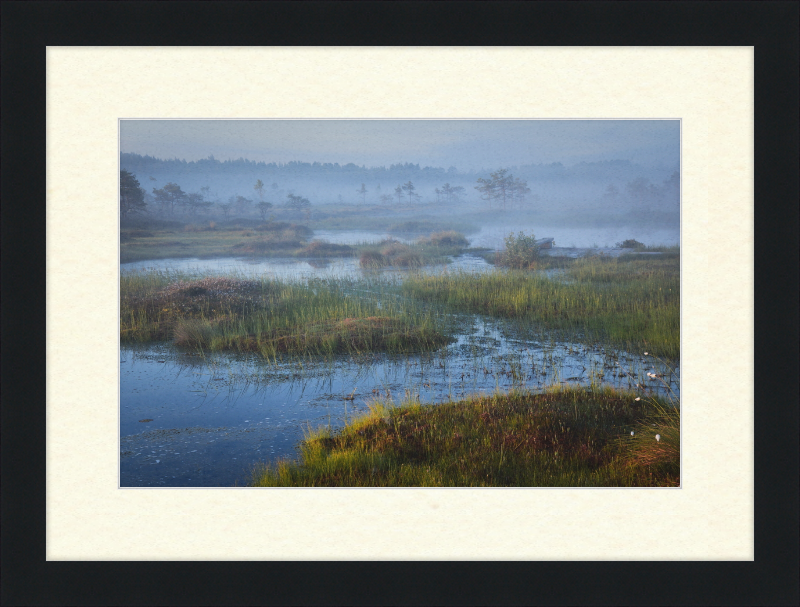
x: 629, y: 244
x: 521, y: 251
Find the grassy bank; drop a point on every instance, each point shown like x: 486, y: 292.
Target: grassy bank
x: 268, y: 317
x: 628, y: 302
x: 279, y: 239
x: 276, y: 239
x: 562, y: 438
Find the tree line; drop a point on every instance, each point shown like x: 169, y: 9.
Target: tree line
x: 501, y: 187
x: 171, y: 197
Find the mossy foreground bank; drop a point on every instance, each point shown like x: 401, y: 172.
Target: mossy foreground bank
x: 561, y: 438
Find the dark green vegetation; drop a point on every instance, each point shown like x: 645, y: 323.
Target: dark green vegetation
x: 561, y: 438
x: 268, y: 317
x: 131, y: 195
x: 630, y: 243
x: 629, y: 302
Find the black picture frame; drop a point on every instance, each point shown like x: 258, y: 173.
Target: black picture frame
x: 29, y: 27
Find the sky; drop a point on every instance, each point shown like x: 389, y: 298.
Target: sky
x: 465, y: 144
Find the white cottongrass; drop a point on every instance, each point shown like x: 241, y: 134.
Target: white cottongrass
x: 645, y: 353
x: 631, y: 432
x: 658, y: 437
x: 638, y: 398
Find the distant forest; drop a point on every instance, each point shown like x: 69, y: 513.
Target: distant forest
x: 331, y: 183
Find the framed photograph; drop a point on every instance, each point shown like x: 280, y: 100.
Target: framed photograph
x: 97, y: 96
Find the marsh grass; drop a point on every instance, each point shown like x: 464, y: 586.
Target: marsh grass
x: 628, y: 302
x: 643, y: 449
x: 269, y: 317
x: 438, y: 248
x: 565, y: 437
x: 207, y: 240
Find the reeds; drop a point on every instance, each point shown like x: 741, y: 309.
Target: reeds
x: 633, y: 303
x: 269, y: 317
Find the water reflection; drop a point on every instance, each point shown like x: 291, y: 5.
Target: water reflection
x: 214, y: 417
x: 292, y: 268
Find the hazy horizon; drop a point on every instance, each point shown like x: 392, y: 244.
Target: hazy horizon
x: 467, y: 145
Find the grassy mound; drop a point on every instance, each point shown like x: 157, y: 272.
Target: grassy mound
x: 562, y: 438
x: 391, y: 252
x: 150, y: 311
x: 449, y: 238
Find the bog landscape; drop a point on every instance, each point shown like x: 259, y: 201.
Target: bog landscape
x: 370, y: 303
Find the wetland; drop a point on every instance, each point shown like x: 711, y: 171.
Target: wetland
x: 435, y: 366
